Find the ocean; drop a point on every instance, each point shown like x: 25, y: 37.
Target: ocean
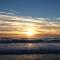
x: 29, y: 46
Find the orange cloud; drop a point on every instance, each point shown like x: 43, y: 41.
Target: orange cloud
x: 13, y: 26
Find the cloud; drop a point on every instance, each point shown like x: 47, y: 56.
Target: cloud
x: 18, y: 25
x: 12, y: 11
x: 6, y: 13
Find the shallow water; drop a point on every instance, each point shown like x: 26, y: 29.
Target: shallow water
x: 31, y: 57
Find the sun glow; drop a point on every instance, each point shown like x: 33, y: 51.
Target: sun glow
x: 29, y: 30
x: 29, y: 33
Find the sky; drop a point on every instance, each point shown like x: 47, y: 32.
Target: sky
x: 34, y: 8
x: 29, y: 18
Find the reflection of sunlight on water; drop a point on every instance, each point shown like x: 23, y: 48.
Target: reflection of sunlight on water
x: 35, y: 45
x: 25, y: 45
x: 28, y: 45
x: 20, y: 45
